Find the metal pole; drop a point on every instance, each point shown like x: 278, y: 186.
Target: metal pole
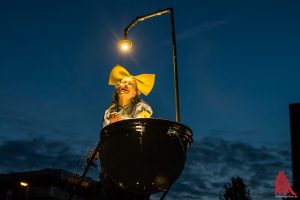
x: 26, y: 195
x: 176, y: 91
x: 154, y: 14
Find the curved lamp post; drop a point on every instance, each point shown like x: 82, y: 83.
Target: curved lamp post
x: 126, y: 44
x: 25, y: 185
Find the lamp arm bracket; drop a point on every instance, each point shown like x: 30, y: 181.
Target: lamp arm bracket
x: 144, y: 17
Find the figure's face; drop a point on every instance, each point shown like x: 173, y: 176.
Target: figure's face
x: 127, y: 87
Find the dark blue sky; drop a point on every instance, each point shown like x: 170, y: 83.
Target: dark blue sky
x: 238, y: 62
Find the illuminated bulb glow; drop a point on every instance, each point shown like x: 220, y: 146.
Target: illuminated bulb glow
x: 23, y: 184
x: 124, y: 45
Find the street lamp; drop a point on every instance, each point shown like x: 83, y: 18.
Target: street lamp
x: 126, y: 44
x: 25, y: 185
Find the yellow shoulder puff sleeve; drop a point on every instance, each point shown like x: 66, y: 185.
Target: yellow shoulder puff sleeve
x: 143, y: 114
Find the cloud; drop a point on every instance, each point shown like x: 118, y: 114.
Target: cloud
x: 33, y: 138
x: 197, y: 29
x: 37, y: 122
x: 213, y: 161
x: 204, y: 27
x: 38, y: 153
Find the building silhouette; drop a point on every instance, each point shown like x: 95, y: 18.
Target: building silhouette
x: 295, y: 144
x: 46, y: 184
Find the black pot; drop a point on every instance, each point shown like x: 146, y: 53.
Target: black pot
x: 144, y: 155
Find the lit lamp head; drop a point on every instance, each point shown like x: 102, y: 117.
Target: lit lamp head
x: 124, y: 44
x: 23, y: 184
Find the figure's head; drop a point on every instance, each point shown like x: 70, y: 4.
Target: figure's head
x: 127, y: 87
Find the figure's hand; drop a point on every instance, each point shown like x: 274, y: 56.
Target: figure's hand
x: 114, y: 117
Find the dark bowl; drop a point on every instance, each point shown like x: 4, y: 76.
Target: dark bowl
x: 144, y: 155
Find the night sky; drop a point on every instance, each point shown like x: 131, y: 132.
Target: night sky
x: 238, y: 65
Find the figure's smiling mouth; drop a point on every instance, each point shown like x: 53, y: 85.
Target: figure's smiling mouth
x: 124, y: 90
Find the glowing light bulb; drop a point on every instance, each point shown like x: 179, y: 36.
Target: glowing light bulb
x: 124, y: 44
x: 23, y: 184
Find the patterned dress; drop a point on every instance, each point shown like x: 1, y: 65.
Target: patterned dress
x: 140, y: 109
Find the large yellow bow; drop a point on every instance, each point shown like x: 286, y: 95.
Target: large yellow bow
x: 144, y: 82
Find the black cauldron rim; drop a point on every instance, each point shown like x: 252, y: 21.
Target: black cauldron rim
x: 143, y: 121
